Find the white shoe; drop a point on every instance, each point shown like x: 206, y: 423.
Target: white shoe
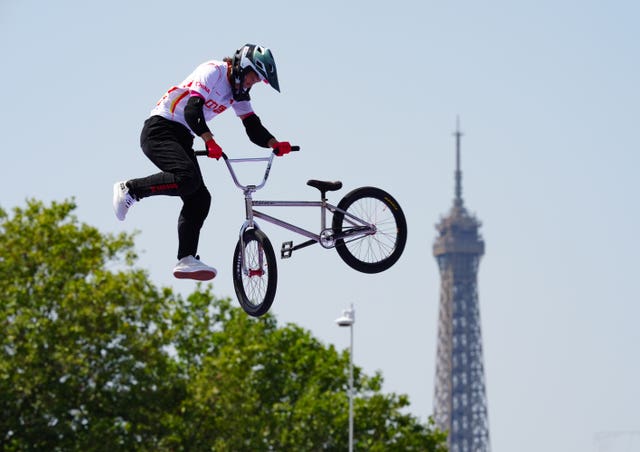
x: 122, y: 200
x: 191, y: 268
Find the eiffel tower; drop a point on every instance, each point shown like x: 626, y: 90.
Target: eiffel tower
x: 460, y: 402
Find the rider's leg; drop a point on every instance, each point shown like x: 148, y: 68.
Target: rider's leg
x: 194, y: 212
x: 168, y: 145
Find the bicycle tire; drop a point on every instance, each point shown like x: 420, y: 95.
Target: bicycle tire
x: 255, y: 290
x: 378, y: 252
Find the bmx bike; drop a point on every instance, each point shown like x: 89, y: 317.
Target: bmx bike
x: 368, y: 230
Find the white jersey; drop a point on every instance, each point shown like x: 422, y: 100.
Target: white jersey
x: 209, y: 80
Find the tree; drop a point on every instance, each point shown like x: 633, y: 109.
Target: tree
x: 258, y: 386
x: 94, y: 357
x: 82, y: 352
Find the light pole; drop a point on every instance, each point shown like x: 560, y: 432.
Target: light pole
x: 348, y: 318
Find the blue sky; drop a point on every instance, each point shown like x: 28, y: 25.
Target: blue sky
x: 548, y: 99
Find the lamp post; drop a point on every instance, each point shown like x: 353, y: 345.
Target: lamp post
x: 348, y: 318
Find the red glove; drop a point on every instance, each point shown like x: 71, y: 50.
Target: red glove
x: 215, y: 151
x: 282, y: 148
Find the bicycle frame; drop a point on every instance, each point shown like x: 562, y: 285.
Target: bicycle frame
x: 326, y: 237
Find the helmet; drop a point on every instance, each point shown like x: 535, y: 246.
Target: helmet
x: 256, y: 58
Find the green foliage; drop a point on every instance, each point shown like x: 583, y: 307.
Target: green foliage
x: 82, y: 358
x: 94, y: 357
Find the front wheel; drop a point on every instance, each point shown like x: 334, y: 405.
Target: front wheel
x: 256, y: 278
x: 370, y: 253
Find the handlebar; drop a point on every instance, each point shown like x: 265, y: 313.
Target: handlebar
x: 229, y: 162
x: 224, y: 156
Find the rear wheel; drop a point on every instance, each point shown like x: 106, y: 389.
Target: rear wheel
x: 376, y: 252
x: 256, y: 278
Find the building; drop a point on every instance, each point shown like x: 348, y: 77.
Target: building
x: 460, y: 402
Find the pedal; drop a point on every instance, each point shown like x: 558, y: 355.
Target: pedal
x: 286, y: 250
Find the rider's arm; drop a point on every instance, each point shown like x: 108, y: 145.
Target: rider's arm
x: 194, y: 116
x: 256, y: 132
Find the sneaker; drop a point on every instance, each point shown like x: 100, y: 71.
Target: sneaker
x: 191, y: 268
x: 122, y: 200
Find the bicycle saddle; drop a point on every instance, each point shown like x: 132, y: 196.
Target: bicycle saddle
x: 325, y: 186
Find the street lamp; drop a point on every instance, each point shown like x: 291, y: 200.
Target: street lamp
x: 348, y: 318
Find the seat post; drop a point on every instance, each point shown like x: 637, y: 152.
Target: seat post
x: 324, y: 187
x: 323, y: 209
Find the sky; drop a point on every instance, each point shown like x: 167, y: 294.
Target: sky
x: 548, y: 99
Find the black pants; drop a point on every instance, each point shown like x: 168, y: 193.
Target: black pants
x: 168, y: 144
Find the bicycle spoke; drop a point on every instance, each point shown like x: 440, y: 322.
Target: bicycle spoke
x: 375, y: 251
x: 256, y: 277
x: 378, y: 246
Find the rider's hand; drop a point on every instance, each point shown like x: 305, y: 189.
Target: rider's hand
x: 281, y: 148
x: 214, y: 151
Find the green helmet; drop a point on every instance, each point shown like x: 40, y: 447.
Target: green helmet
x: 256, y: 58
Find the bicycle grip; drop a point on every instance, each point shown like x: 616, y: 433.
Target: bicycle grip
x: 206, y: 153
x: 293, y: 149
